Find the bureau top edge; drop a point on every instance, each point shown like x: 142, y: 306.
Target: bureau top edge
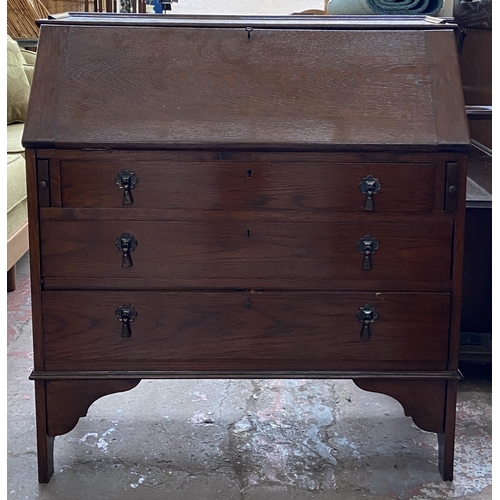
x: 262, y: 22
x: 463, y: 147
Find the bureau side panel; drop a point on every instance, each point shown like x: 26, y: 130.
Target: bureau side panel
x: 40, y: 129
x: 35, y: 257
x: 457, y: 270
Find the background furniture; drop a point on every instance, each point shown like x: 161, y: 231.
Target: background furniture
x: 21, y: 17
x: 20, y: 66
x: 230, y: 224
x: 474, y: 33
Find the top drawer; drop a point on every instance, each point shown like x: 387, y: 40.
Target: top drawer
x: 227, y: 185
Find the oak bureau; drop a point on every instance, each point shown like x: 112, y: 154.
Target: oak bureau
x: 245, y: 197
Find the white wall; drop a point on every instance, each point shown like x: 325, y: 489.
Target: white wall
x: 242, y: 7
x: 447, y: 10
x: 264, y: 7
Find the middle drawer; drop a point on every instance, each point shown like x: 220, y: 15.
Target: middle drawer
x: 246, y: 253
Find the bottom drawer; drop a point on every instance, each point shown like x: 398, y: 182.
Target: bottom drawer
x: 233, y: 331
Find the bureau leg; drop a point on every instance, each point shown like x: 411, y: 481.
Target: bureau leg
x: 431, y: 404
x: 446, y: 439
x: 11, y: 279
x: 59, y: 406
x: 45, y: 443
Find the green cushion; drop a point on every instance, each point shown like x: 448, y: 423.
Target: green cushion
x: 29, y: 70
x: 16, y: 191
x: 14, y: 137
x: 18, y: 87
x: 29, y: 64
x: 29, y: 56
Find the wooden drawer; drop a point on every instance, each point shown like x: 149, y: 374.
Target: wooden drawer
x: 227, y: 185
x: 227, y: 252
x: 244, y: 331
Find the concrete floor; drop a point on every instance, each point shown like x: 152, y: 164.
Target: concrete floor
x: 241, y: 439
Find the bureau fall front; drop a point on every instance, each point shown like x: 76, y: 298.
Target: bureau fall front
x: 224, y: 197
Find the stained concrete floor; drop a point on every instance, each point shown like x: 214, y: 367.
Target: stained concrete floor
x: 241, y: 439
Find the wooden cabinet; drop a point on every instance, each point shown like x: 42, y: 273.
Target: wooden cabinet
x: 474, y: 20
x: 255, y: 197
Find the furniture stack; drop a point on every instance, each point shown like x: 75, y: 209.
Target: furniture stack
x: 475, y: 20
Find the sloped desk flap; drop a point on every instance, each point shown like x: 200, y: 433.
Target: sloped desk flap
x: 164, y: 85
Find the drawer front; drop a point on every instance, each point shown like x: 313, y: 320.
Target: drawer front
x: 246, y: 253
x: 245, y: 186
x: 244, y: 331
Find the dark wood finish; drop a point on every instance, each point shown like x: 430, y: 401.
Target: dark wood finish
x: 475, y: 61
x: 68, y: 400
x: 224, y: 253
x: 55, y: 182
x: 249, y: 101
x: 45, y: 443
x: 11, y: 279
x: 247, y: 213
x: 458, y: 256
x: 431, y: 405
x: 35, y: 259
x: 59, y: 405
x: 476, y: 304
x: 244, y: 331
x: 228, y: 186
x: 184, y: 374
x: 476, y: 324
x: 449, y: 103
x: 446, y: 449
x: 102, y: 155
x: 43, y: 175
x: 47, y: 86
x: 424, y: 402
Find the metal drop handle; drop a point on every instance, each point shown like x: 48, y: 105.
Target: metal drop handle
x: 369, y: 186
x: 366, y: 315
x: 126, y: 315
x: 126, y: 180
x: 126, y: 243
x: 367, y: 246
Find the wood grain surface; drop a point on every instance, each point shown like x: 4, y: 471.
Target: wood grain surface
x: 237, y: 330
x: 228, y: 185
x: 216, y: 87
x: 226, y: 253
x: 249, y: 146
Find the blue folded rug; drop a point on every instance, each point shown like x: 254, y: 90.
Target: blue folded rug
x: 396, y: 7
